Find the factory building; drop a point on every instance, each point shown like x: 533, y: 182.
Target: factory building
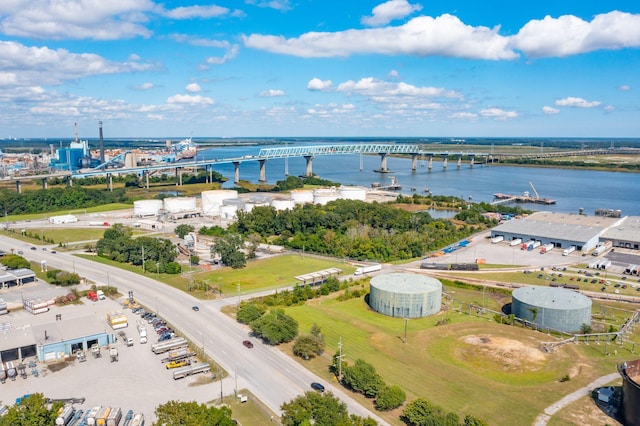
x: 405, y: 295
x: 563, y: 230
x: 551, y: 308
x: 625, y: 234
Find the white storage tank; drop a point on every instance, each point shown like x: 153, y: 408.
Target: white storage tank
x: 324, y: 195
x: 213, y: 199
x: 229, y: 211
x: 179, y: 204
x: 283, y: 204
x: 142, y: 208
x: 302, y: 196
x: 353, y: 192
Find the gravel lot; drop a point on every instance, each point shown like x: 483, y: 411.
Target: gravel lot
x: 138, y: 381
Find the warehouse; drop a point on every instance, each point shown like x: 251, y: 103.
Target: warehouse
x: 625, y: 234
x: 563, y: 230
x: 53, y: 340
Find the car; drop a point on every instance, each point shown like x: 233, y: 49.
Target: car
x: 33, y: 248
x: 247, y: 343
x: 317, y: 386
x: 195, y: 308
x: 44, y: 249
x: 53, y: 252
x: 593, y: 281
x: 624, y: 278
x: 20, y: 252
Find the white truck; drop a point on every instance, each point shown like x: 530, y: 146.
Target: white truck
x: 101, y: 295
x: 368, y: 268
x: 568, y: 250
x: 142, y: 329
x: 602, y: 248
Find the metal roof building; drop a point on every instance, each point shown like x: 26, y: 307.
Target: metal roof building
x: 554, y: 308
x: 625, y: 234
x: 560, y: 229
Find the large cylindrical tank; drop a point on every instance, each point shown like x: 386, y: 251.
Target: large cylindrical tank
x: 229, y: 211
x: 404, y: 295
x: 283, y: 204
x: 212, y: 200
x: 630, y: 404
x: 142, y: 208
x: 252, y: 202
x: 302, y: 196
x: 550, y: 307
x: 179, y: 204
x: 324, y: 195
x: 353, y: 192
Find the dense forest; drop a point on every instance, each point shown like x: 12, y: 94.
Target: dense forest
x: 55, y: 199
x: 353, y: 229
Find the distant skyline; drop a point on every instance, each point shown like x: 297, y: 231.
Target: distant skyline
x: 310, y: 68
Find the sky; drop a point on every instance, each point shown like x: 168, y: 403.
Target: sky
x: 319, y: 68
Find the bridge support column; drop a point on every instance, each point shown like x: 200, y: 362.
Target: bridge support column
x: 210, y: 174
x: 383, y: 162
x: 414, y: 162
x: 110, y: 181
x: 471, y: 160
x: 430, y: 162
x: 309, y: 170
x: 263, y: 170
x: 19, y: 187
x: 459, y: 161
x: 178, y: 176
x: 45, y: 183
x: 444, y: 161
x: 236, y: 172
x: 146, y: 179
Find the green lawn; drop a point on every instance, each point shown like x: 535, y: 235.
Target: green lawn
x: 469, y: 366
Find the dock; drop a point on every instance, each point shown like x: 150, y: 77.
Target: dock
x: 501, y: 198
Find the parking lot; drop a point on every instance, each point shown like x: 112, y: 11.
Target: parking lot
x: 137, y: 381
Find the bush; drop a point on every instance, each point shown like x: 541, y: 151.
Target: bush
x: 390, y: 397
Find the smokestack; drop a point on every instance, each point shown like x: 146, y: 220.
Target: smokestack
x: 101, y: 144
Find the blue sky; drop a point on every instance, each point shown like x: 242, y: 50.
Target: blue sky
x: 319, y: 68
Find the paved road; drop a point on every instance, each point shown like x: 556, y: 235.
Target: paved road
x: 542, y: 419
x: 270, y: 375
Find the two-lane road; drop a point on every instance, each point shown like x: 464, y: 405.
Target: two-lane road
x: 269, y: 374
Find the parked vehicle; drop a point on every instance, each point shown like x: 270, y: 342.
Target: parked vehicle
x: 115, y: 415
x: 189, y: 370
x: 92, y: 296
x: 177, y: 364
x: 317, y: 386
x: 64, y: 415
x: 569, y: 250
x: 113, y: 354
x: 169, y: 345
x: 368, y: 268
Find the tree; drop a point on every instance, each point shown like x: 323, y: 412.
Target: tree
x: 309, y: 345
x: 191, y: 414
x: 183, y: 229
x: 390, y: 397
x: 275, y: 327
x: 470, y: 420
x: 320, y: 409
x: 249, y: 312
x: 421, y: 412
x: 32, y: 411
x: 14, y: 261
x: 228, y: 248
x: 362, y: 378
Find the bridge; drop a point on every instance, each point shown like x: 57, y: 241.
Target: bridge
x: 109, y: 168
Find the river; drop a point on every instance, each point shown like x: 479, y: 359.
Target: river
x: 573, y: 189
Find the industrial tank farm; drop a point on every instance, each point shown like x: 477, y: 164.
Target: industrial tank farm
x: 143, y: 208
x: 214, y: 199
x: 554, y: 308
x: 405, y: 295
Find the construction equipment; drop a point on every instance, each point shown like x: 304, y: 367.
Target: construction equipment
x: 113, y: 354
x: 534, y: 191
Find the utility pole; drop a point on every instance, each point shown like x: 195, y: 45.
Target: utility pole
x: 406, y: 321
x: 340, y: 358
x: 143, y: 259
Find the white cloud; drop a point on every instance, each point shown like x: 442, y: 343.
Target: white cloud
x: 271, y: 4
x: 445, y: 36
x: 570, y: 35
x: 231, y: 53
x: 193, y: 88
x: 391, y: 10
x: 498, y: 114
x: 464, y: 115
x: 73, y: 19
x: 379, y: 89
x: 44, y: 66
x: 144, y: 86
x: 549, y: 110
x: 271, y: 93
x: 624, y: 88
x: 317, y: 84
x: 577, y: 103
x: 609, y: 108
x: 190, y: 99
x: 190, y: 12
x: 393, y: 75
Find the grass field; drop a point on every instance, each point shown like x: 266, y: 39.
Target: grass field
x: 469, y: 366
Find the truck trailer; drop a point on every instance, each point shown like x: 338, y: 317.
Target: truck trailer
x: 175, y: 343
x: 368, y: 268
x: 179, y: 373
x: 568, y: 250
x: 602, y: 248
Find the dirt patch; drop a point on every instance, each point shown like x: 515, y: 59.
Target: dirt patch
x: 58, y: 366
x: 202, y: 379
x: 511, y: 354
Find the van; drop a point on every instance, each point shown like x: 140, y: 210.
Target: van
x: 101, y: 295
x: 129, y: 341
